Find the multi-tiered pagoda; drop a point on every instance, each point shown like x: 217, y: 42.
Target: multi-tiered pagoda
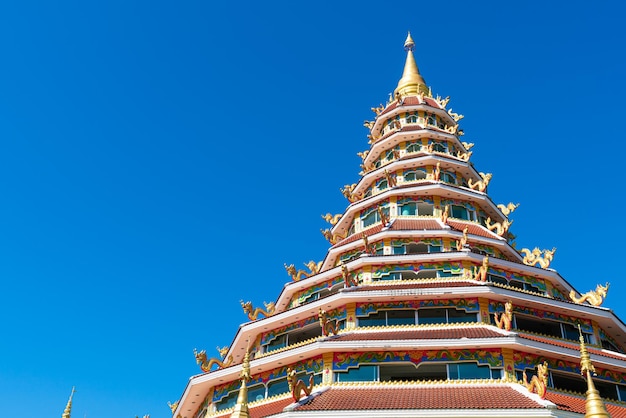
x: 422, y: 305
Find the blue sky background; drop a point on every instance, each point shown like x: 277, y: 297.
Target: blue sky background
x: 161, y: 160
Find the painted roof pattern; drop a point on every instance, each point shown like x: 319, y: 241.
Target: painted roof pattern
x: 472, y: 228
x: 264, y: 409
x: 359, y: 235
x: 411, y: 101
x: 400, y: 224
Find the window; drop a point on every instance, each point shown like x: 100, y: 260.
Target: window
x: 444, y: 316
x: 411, y: 118
x: 440, y: 147
x: 448, y: 177
x: 432, y: 120
x: 424, y: 371
x: 413, y: 147
x: 551, y: 328
x: 414, y: 175
x: 415, y: 248
x: 372, y: 216
x: 461, y: 212
x: 293, y: 337
x: 365, y: 373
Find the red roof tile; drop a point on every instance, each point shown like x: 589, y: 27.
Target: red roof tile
x: 359, y: 235
x: 411, y: 101
x: 421, y: 334
x: 573, y: 346
x: 576, y: 404
x: 472, y: 228
x: 415, y: 224
x: 340, y: 398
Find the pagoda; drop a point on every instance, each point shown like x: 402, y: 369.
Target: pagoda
x: 422, y: 305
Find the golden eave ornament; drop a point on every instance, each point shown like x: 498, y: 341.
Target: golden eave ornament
x: 412, y: 81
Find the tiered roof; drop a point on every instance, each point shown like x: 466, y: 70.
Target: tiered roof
x: 422, y: 302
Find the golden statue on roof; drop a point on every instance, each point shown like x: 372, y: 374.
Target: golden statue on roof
x: 593, y: 297
x: 296, y: 387
x: 536, y: 256
x: 505, y: 319
x: 480, y: 185
x: 206, y: 364
x: 253, y: 313
x: 508, y: 209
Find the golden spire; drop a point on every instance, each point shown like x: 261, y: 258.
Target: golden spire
x: 594, y: 407
x: 411, y: 81
x: 241, y: 408
x: 68, y: 407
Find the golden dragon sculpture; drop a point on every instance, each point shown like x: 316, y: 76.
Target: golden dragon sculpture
x: 538, y: 383
x: 296, y: 387
x: 348, y: 279
x: 593, y: 297
x: 480, y: 185
x: 328, y: 326
x: 500, y: 228
x: 332, y: 219
x: 536, y: 256
x: 253, y: 313
x: 480, y: 274
x: 505, y: 319
x: 508, y: 209
x: 206, y: 365
x: 298, y: 275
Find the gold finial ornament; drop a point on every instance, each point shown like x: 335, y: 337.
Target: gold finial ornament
x: 594, y: 406
x: 594, y: 297
x: 412, y: 81
x: 68, y: 408
x: 241, y: 408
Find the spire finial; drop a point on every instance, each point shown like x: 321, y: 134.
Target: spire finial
x: 411, y: 82
x: 594, y: 407
x: 68, y: 408
x: 409, y: 44
x: 241, y: 408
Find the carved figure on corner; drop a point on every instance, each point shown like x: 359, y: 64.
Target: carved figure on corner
x: 480, y: 274
x: 445, y: 214
x: 462, y: 243
x: 508, y: 209
x: 347, y: 191
x: 378, y: 110
x: 455, y: 116
x: 539, y: 383
x: 391, y: 180
x: 363, y: 154
x: 442, y: 102
x: 593, y: 297
x: 332, y: 219
x: 173, y: 406
x: 465, y: 156
x: 468, y: 145
x: 505, y: 319
x: 535, y: 256
x: 296, y: 387
x: 368, y: 124
x: 206, y: 365
x: 480, y: 185
x: 499, y: 228
x: 348, y: 280
x: 329, y: 327
x: 253, y: 313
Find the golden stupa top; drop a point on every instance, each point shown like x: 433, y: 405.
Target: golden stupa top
x: 68, y: 408
x: 412, y: 81
x: 594, y: 406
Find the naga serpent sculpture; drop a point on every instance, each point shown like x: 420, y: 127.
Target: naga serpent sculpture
x: 539, y: 383
x: 593, y: 297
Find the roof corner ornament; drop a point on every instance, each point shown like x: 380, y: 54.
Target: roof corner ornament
x: 462, y: 243
x: 457, y: 117
x: 480, y: 185
x: 173, y: 406
x: 298, y: 386
x: 313, y: 267
x: 445, y: 214
x: 508, y: 209
x: 480, y: 274
x: 537, y: 256
x: 465, y: 156
x: 505, y: 319
x: 539, y: 383
x: 593, y: 297
x: 332, y: 219
x: 348, y: 278
x: 329, y: 326
x: 499, y: 228
x: 253, y: 314
x: 347, y: 192
x: 442, y: 102
x: 207, y: 364
x: 378, y: 110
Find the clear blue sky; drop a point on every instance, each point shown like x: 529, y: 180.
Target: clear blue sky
x: 161, y: 161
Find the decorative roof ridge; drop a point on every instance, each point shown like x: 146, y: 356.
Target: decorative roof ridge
x: 424, y: 383
x: 594, y: 350
x: 521, y: 389
x: 414, y: 327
